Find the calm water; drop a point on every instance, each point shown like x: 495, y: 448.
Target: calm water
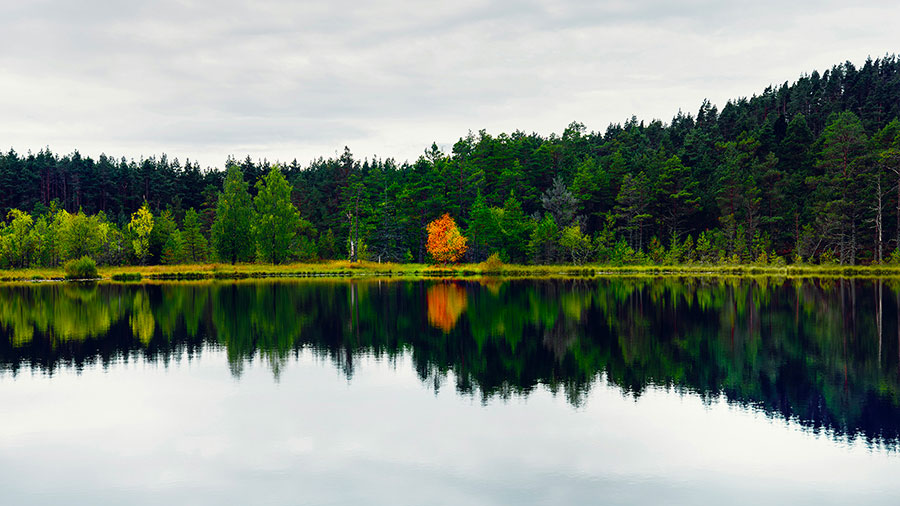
x: 437, y: 392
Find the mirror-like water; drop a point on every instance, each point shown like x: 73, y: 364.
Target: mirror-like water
x: 611, y: 390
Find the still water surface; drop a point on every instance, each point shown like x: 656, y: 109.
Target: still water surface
x: 631, y: 391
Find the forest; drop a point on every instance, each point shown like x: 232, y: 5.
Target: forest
x: 805, y: 172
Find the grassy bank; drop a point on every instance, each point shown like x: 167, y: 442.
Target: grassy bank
x: 344, y: 269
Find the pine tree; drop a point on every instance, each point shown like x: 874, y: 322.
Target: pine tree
x: 631, y: 208
x: 173, y: 250
x: 516, y: 229
x: 559, y: 202
x: 677, y: 196
x: 590, y: 188
x: 543, y: 246
x: 843, y: 162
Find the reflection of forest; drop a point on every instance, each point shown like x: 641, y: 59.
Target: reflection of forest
x: 819, y: 352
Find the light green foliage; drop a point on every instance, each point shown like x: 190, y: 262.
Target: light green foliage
x: 576, y: 245
x: 895, y: 257
x: 80, y: 235
x: 704, y: 250
x: 276, y: 220
x: 116, y: 248
x: 81, y: 268
x: 231, y: 232
x: 17, y: 240
x: 140, y: 228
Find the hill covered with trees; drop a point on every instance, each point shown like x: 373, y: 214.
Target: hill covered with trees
x: 806, y: 171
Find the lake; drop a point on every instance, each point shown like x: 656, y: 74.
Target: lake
x: 598, y: 391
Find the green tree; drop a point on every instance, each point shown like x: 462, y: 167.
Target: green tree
x: 79, y: 235
x: 163, y: 226
x: 516, y: 230
x: 631, y: 208
x: 677, y: 196
x: 590, y: 188
x: 544, y: 243
x: 231, y: 231
x: 328, y: 246
x: 140, y: 227
x: 576, y: 244
x: 560, y: 203
x: 18, y: 240
x: 276, y: 220
x: 843, y: 162
x: 194, y: 242
x: 173, y: 250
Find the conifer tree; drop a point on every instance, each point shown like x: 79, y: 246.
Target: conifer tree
x: 194, y: 242
x: 677, y: 195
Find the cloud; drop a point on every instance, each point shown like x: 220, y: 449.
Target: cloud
x: 301, y: 79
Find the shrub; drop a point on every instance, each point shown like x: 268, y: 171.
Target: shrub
x: 82, y: 268
x: 493, y: 264
x: 127, y: 276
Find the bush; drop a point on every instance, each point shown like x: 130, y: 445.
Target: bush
x: 127, y: 276
x: 82, y: 268
x: 493, y: 264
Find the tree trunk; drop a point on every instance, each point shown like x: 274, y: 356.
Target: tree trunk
x: 898, y: 211
x: 878, y: 220
x: 356, y: 231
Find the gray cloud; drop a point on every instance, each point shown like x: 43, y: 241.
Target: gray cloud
x: 298, y: 79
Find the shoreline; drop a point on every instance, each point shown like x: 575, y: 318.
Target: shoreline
x: 344, y: 269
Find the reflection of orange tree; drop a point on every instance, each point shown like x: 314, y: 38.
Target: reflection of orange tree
x: 446, y: 302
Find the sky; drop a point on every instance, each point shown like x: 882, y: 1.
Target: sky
x: 285, y: 80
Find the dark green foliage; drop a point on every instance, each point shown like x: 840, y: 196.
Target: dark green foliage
x: 195, y: 246
x: 544, y: 244
x: 327, y: 248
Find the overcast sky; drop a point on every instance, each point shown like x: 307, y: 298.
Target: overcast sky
x: 291, y: 79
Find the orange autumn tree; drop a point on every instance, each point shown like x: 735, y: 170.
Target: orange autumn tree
x: 445, y: 243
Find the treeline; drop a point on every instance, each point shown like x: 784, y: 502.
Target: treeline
x: 806, y: 171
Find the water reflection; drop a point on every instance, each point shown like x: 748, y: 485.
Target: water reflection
x: 818, y: 352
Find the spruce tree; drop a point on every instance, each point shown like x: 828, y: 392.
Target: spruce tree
x: 194, y: 242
